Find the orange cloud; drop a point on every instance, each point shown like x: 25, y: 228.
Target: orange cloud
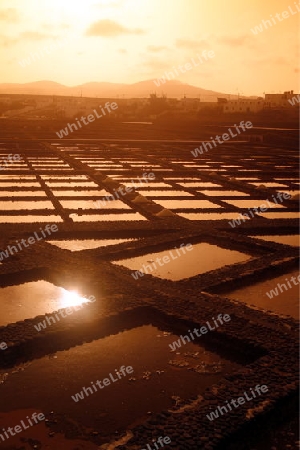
x: 235, y: 41
x: 108, y: 28
x: 6, y: 41
x: 191, y: 44
x: 35, y: 36
x: 156, y: 48
x: 9, y: 15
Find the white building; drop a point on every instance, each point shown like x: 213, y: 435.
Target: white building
x: 279, y: 100
x: 244, y: 105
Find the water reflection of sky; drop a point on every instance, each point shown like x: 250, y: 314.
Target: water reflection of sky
x: 71, y: 298
x: 75, y: 245
x: 184, y: 264
x: 32, y: 299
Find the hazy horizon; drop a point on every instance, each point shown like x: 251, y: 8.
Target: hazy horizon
x: 129, y: 41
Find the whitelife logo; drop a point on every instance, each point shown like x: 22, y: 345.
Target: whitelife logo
x: 36, y: 417
x: 183, y: 68
x: 3, y: 346
x: 11, y: 249
x: 225, y: 137
x: 8, y: 160
x: 294, y: 100
x: 274, y: 292
x: 121, y: 373
x: 91, y: 118
x: 259, y: 209
x: 160, y: 443
x: 128, y: 189
x: 237, y: 402
x: 270, y: 22
x: 199, y: 331
x: 54, y: 318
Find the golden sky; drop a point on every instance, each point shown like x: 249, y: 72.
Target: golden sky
x: 126, y: 41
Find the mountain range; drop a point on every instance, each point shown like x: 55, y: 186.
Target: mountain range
x: 142, y: 89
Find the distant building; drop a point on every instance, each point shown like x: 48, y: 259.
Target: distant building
x: 222, y: 100
x: 279, y: 100
x: 210, y: 106
x: 243, y: 105
x: 189, y: 104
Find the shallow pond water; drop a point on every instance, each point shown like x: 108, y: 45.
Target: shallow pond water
x: 224, y: 193
x: 107, y: 217
x: 186, y: 204
x: 285, y: 302
x: 87, y: 244
x: 159, y: 378
x: 183, y: 263
x: 36, y: 298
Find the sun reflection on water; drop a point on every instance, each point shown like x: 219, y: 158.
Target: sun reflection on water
x: 72, y: 298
